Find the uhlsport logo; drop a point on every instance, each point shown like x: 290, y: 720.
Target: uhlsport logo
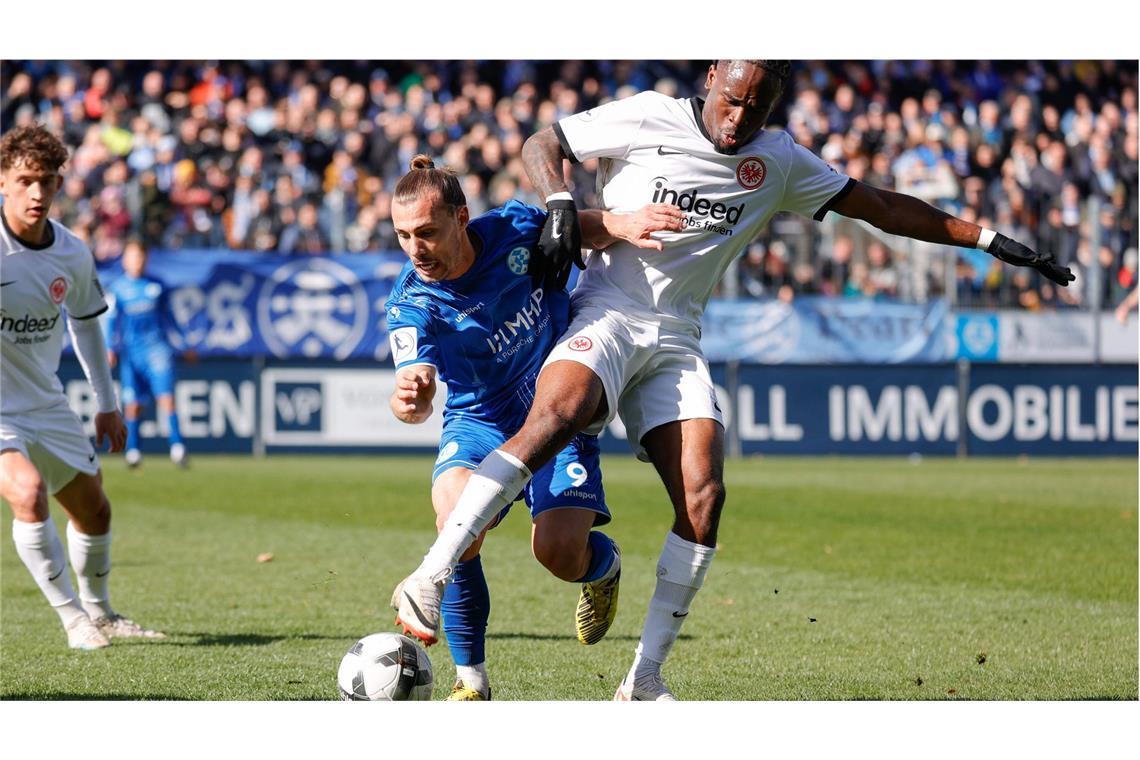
x: 519, y: 260
x: 314, y: 307
x: 580, y: 343
x: 58, y: 290
x: 750, y: 173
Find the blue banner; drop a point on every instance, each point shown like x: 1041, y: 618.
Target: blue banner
x: 1052, y: 410
x: 229, y: 303
x: 216, y: 402
x: 822, y: 330
x: 1072, y: 410
x: 1077, y: 410
x: 235, y: 303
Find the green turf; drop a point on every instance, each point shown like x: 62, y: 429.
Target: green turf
x: 836, y: 579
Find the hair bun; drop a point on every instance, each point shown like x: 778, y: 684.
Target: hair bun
x: 422, y: 161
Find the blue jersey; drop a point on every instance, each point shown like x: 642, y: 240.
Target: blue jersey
x: 136, y: 328
x: 137, y: 322
x: 488, y: 331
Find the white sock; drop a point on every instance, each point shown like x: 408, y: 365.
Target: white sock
x: 492, y: 486
x: 474, y: 677
x: 681, y: 571
x: 38, y: 545
x: 91, y: 558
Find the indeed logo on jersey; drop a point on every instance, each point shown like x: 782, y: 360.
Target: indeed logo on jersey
x: 27, y: 323
x: 21, y: 326
x: 520, y: 330
x: 693, y: 202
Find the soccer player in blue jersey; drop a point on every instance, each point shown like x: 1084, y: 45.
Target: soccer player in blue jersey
x: 467, y: 309
x: 137, y: 343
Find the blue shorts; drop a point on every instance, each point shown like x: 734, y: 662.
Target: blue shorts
x: 145, y: 374
x: 573, y: 479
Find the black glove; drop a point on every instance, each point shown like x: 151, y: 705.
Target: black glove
x: 1013, y: 252
x: 559, y: 246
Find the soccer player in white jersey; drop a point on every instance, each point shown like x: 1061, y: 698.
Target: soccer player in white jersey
x: 633, y: 346
x: 43, y: 448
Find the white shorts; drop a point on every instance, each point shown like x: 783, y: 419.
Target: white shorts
x: 652, y: 373
x: 53, y: 439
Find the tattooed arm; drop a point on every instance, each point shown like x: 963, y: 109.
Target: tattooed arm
x: 542, y: 158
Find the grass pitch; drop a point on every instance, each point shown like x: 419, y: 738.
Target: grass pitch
x: 836, y: 579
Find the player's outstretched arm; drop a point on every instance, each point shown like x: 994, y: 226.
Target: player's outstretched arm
x: 900, y: 214
x: 601, y: 229
x: 415, y: 389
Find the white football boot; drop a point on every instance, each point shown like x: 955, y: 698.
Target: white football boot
x: 648, y: 688
x: 85, y: 635
x: 118, y: 627
x: 133, y: 457
x: 178, y: 455
x: 416, y: 601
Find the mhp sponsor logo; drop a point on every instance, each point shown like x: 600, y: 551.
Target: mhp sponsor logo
x: 313, y: 307
x: 297, y: 406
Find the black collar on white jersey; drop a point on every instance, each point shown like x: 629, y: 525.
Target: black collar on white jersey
x: 49, y: 235
x: 698, y: 105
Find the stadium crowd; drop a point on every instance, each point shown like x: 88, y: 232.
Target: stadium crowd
x: 301, y: 157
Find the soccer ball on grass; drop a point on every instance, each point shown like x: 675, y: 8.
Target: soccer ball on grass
x: 385, y: 667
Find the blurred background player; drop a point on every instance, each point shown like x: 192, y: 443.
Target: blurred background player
x: 44, y: 268
x: 466, y: 309
x: 136, y: 329
x: 634, y: 343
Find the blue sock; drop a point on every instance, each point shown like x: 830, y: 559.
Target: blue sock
x: 175, y: 433
x: 133, y: 434
x: 601, y: 558
x: 466, y: 606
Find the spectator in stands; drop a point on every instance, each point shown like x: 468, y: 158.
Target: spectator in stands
x: 836, y: 269
x: 857, y: 284
x: 882, y: 277
x: 304, y: 235
x: 750, y: 270
x: 1126, y: 278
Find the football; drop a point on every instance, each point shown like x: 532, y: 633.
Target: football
x: 385, y: 667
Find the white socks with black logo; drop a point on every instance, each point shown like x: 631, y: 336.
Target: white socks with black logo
x: 41, y: 551
x: 492, y: 486
x: 91, y: 558
x: 680, y: 574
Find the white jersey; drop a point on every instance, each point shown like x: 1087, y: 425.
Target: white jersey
x: 654, y: 149
x: 35, y: 283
